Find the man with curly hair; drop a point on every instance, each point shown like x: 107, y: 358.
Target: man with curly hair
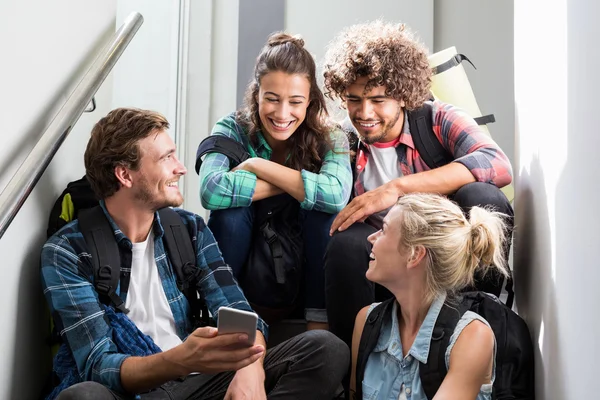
x: 382, y: 75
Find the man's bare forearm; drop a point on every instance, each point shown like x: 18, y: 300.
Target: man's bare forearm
x: 140, y: 374
x: 444, y: 180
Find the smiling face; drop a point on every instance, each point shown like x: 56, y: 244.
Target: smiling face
x: 389, y: 258
x: 376, y: 116
x: 155, y: 183
x: 282, y: 102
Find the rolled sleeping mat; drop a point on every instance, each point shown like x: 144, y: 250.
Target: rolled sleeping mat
x: 450, y: 84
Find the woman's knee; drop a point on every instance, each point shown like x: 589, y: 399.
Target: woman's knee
x: 230, y: 218
x: 316, y: 224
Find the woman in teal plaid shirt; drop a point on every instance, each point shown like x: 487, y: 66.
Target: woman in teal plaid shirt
x: 293, y: 149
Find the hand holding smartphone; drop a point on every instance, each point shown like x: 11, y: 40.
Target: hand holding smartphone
x: 231, y: 320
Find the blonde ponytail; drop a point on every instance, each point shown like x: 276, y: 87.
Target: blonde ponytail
x: 456, y: 247
x: 488, y: 239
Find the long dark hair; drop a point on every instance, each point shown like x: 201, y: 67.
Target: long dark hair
x: 286, y: 53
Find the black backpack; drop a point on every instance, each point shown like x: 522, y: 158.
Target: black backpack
x: 514, y: 349
x: 78, y: 201
x: 78, y: 195
x: 272, y: 276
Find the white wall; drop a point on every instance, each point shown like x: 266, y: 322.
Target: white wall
x: 146, y: 75
x: 211, y: 80
x: 44, y: 46
x: 483, y: 31
x: 318, y: 21
x: 556, y: 257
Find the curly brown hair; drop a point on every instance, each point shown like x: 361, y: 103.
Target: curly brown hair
x: 386, y: 53
x: 286, y: 53
x: 114, y: 142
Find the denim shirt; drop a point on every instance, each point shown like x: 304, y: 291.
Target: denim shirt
x: 388, y: 372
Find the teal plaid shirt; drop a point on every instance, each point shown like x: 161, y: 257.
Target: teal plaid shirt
x: 327, y: 191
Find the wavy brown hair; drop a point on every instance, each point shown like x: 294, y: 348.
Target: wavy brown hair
x: 286, y: 53
x: 114, y: 142
x: 387, y: 54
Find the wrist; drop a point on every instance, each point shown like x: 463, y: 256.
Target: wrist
x: 254, y: 165
x: 174, y: 363
x: 397, y: 185
x: 255, y: 369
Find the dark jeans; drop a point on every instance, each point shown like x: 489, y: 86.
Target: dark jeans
x: 308, y: 366
x: 347, y: 289
x: 233, y: 229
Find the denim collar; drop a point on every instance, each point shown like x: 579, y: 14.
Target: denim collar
x: 123, y: 240
x: 391, y: 342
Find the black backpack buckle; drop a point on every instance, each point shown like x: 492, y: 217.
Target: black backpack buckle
x: 104, y: 288
x: 268, y: 233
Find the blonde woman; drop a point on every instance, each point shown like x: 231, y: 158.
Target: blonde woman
x: 425, y: 253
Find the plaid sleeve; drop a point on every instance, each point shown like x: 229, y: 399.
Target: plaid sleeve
x: 78, y: 315
x: 218, y: 285
x: 470, y: 145
x: 220, y: 187
x: 329, y: 190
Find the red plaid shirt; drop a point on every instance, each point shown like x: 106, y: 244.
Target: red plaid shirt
x: 460, y: 135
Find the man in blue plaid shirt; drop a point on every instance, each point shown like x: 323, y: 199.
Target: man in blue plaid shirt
x: 153, y: 350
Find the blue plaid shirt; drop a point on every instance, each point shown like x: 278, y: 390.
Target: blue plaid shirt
x: 67, y: 280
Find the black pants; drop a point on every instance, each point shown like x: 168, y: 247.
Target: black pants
x: 347, y: 290
x: 308, y: 366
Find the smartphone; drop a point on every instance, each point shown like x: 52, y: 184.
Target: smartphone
x: 231, y: 320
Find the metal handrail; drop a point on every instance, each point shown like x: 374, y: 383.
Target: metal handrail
x: 29, y: 173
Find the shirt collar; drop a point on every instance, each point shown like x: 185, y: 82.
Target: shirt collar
x: 420, y: 348
x: 405, y: 136
x: 263, y: 145
x: 157, y: 228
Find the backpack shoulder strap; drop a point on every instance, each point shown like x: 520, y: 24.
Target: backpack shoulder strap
x: 181, y: 252
x: 427, y: 144
x: 433, y: 373
x: 368, y: 340
x: 231, y: 148
x: 102, y: 245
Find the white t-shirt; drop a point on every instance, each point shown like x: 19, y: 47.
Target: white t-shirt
x: 382, y: 166
x: 146, y: 299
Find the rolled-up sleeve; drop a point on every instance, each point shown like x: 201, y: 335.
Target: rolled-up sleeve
x: 78, y: 315
x: 329, y: 189
x: 221, y: 188
x: 471, y: 146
